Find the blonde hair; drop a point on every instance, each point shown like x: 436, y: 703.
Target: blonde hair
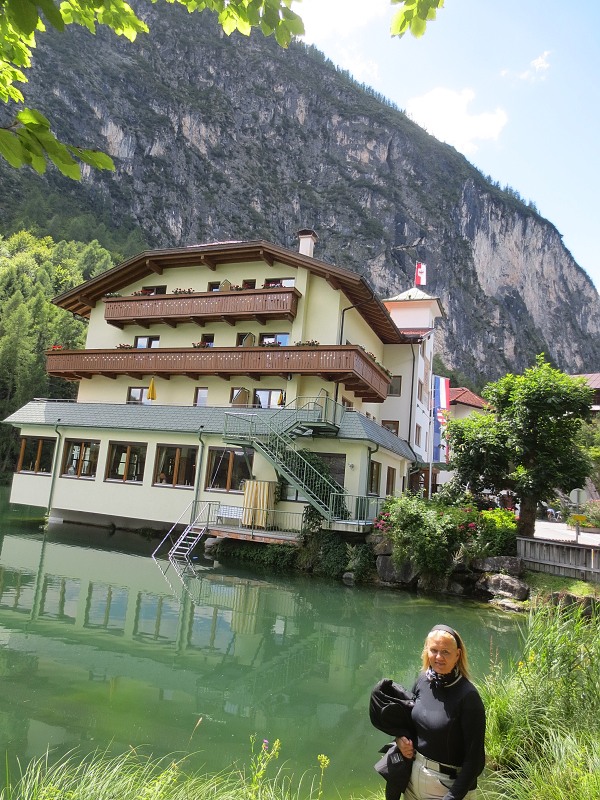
x: 463, y: 660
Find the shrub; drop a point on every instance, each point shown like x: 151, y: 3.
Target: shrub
x: 361, y: 561
x: 591, y: 510
x: 333, y: 558
x: 497, y: 532
x: 420, y: 533
x: 276, y: 557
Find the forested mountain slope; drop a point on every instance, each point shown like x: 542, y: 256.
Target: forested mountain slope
x: 232, y: 138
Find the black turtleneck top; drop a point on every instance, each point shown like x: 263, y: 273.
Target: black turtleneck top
x: 450, y: 727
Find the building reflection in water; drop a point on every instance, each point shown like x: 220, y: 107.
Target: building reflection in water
x: 243, y: 654
x: 97, y: 651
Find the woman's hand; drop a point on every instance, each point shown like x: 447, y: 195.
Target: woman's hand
x: 406, y: 747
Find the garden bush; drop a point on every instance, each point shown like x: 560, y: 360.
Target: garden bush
x: 435, y: 535
x: 497, y: 532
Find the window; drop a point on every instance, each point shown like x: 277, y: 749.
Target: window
x: 213, y: 286
x: 59, y: 598
x: 201, y: 396
x: 248, y: 284
x: 392, y: 425
x: 272, y: 283
x: 390, y: 482
x: 239, y: 339
x: 239, y: 396
x: 268, y: 398
x: 418, y: 435
x: 347, y: 403
x: 106, y: 608
x: 154, y: 289
x: 395, y: 387
x: 36, y: 455
x: 420, y: 391
x: 175, y: 465
x: 208, y: 339
x: 335, y: 464
x: 137, y: 394
x: 146, y: 341
x: 227, y: 469
x: 80, y: 458
x: 374, y: 477
x: 274, y: 339
x: 126, y: 462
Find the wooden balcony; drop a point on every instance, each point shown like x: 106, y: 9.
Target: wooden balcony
x: 248, y: 305
x: 345, y: 364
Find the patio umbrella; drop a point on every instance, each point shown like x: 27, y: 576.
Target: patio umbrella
x: 151, y: 393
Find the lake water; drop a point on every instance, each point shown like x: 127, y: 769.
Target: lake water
x: 97, y: 650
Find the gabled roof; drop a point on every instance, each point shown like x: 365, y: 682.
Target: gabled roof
x: 466, y: 398
x: 81, y: 299
x: 414, y: 293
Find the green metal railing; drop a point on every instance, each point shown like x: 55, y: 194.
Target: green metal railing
x: 361, y: 509
x: 275, y: 437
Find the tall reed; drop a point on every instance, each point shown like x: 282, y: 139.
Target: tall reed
x: 543, y: 710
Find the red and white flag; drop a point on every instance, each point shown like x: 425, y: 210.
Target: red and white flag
x: 420, y: 274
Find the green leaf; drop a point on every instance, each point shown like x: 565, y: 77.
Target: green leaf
x: 12, y: 149
x: 69, y: 169
x: 417, y: 27
x: 32, y: 118
x: 52, y: 14
x: 95, y: 158
x: 23, y: 14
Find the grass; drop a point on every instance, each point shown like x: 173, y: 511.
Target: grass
x: 543, y: 584
x: 132, y: 776
x: 542, y: 736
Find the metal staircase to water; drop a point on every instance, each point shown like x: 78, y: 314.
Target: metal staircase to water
x: 275, y: 437
x: 179, y: 554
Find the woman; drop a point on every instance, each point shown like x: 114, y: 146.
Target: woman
x: 449, y: 720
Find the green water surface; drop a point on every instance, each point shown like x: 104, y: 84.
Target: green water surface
x: 98, y: 651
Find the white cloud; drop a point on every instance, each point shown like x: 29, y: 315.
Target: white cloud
x: 536, y: 71
x: 537, y: 68
x: 445, y: 114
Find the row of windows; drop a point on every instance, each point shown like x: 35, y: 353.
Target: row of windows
x: 227, y: 469
x: 245, y: 339
x: 174, y: 465
x: 225, y: 286
x: 238, y: 396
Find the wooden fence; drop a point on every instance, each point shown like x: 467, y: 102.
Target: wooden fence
x: 569, y: 559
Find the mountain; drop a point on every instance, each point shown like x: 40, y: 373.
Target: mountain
x: 220, y: 138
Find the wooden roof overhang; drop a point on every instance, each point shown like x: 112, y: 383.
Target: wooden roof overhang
x: 81, y: 299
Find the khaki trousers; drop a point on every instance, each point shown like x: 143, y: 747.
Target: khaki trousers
x: 428, y: 784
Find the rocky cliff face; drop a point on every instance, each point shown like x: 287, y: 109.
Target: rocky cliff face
x: 231, y: 138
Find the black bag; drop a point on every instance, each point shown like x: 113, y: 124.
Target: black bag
x: 395, y: 770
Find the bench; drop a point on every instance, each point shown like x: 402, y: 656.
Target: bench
x: 229, y: 512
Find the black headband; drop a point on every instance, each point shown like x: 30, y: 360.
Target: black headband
x: 449, y: 630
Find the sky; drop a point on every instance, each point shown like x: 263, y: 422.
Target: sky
x: 514, y: 85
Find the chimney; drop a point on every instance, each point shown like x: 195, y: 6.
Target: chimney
x: 307, y: 238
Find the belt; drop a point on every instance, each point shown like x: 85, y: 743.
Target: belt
x: 436, y: 766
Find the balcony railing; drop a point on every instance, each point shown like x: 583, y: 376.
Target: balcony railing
x: 203, y: 307
x: 345, y: 364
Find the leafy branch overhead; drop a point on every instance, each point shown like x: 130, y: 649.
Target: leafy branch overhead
x: 29, y: 140
x: 414, y: 16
